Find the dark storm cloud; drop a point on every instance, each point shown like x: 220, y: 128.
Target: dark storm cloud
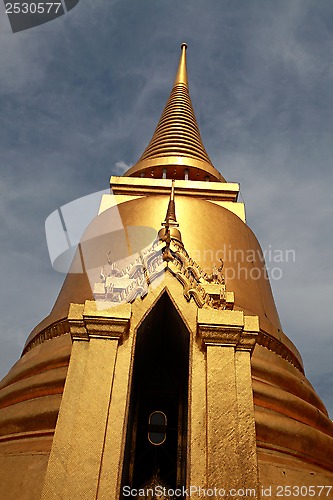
x: 80, y: 98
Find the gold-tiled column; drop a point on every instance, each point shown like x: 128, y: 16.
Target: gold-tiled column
x: 247, y: 449
x: 75, y: 460
x: 115, y: 437
x: 229, y: 338
x: 197, y: 453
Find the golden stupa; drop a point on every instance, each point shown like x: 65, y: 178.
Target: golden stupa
x: 163, y: 367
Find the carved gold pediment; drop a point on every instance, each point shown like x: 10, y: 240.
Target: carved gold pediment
x: 126, y: 284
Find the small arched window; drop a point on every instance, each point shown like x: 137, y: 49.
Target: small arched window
x: 157, y: 428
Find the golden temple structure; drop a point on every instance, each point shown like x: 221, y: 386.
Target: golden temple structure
x: 163, y: 367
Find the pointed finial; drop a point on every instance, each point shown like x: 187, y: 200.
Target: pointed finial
x: 170, y: 218
x: 170, y: 223
x: 181, y: 76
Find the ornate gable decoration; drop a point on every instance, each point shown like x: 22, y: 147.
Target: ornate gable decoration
x: 125, y: 285
x: 165, y: 254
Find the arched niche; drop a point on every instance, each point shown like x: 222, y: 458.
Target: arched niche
x: 159, y: 384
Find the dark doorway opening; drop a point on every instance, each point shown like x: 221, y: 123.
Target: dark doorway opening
x: 159, y: 384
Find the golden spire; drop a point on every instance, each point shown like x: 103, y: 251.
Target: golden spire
x: 176, y: 150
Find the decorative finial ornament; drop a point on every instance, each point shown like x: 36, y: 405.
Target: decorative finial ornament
x: 170, y: 218
x: 170, y: 224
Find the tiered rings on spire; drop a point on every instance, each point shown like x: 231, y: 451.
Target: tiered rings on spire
x: 176, y: 150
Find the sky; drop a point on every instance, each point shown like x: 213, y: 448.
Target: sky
x: 80, y: 97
